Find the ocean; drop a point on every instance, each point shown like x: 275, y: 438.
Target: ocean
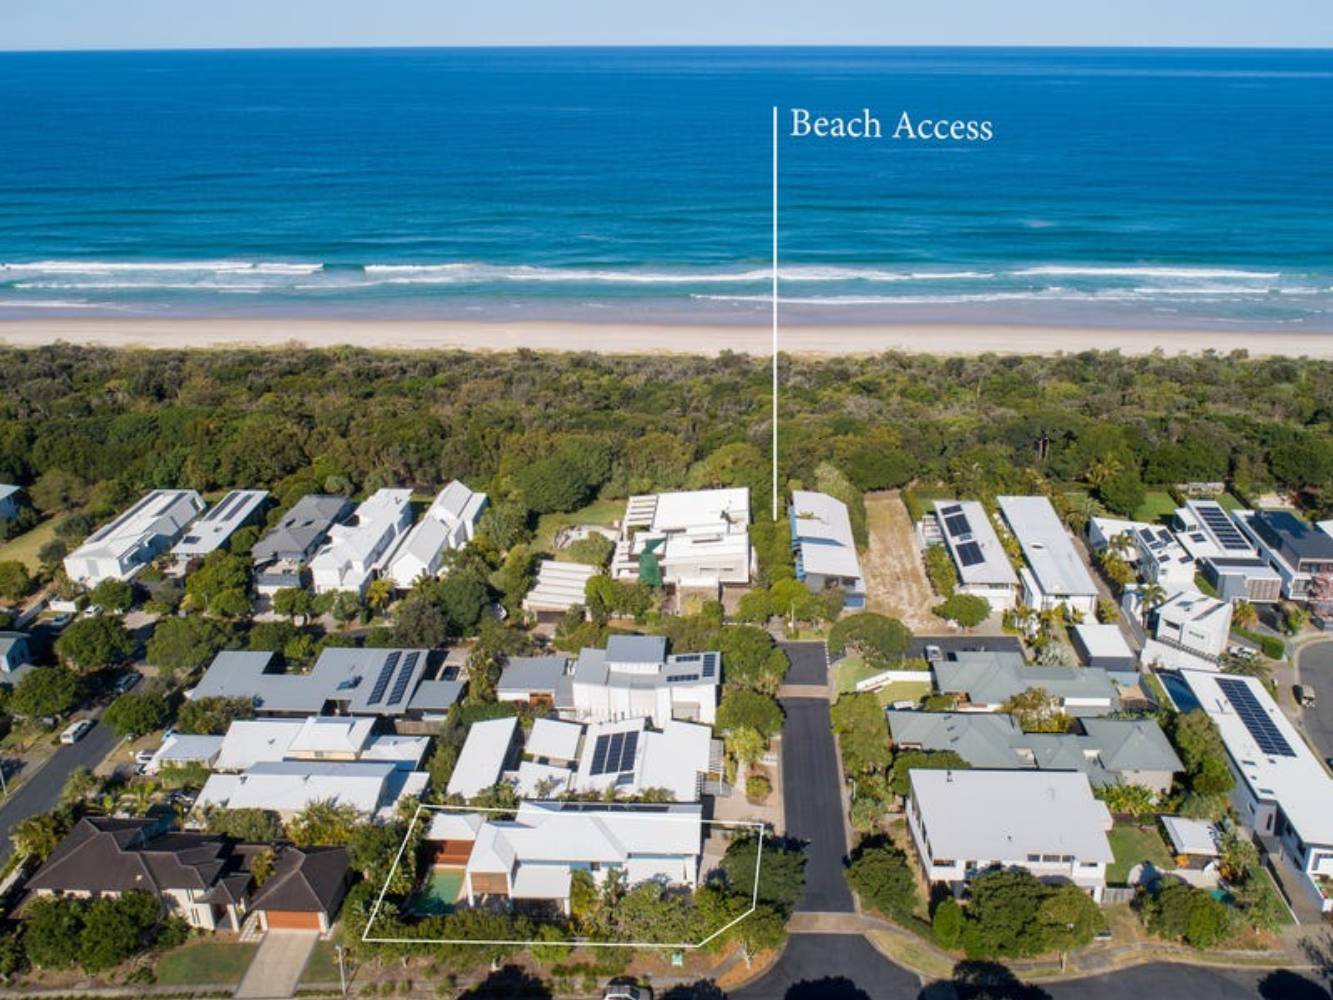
x: 1168, y: 188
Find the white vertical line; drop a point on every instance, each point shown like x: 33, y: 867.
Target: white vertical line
x: 775, y: 312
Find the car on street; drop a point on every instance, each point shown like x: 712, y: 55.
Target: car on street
x: 76, y: 731
x: 1304, y: 695
x: 627, y: 991
x: 126, y: 681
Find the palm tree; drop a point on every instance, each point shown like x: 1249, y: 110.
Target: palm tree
x: 379, y: 593
x: 1120, y: 544
x: 1151, y: 595
x: 1105, y: 468
x: 1244, y: 614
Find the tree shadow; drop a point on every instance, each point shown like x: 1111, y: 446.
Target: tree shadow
x: 975, y: 980
x: 828, y: 988
x: 704, y: 989
x: 509, y: 983
x: 1287, y: 985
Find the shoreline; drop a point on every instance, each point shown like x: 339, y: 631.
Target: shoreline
x: 660, y: 338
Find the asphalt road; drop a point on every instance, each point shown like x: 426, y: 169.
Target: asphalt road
x: 809, y: 662
x: 831, y: 967
x: 813, y: 803
x: 41, y: 792
x: 1317, y: 673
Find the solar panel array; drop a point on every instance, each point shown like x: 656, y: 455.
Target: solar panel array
x: 404, y: 675
x: 1220, y: 524
x: 228, y: 502
x: 957, y: 524
x: 382, y: 681
x: 969, y: 554
x: 710, y: 666
x: 1261, y: 727
x: 681, y: 678
x: 614, y: 753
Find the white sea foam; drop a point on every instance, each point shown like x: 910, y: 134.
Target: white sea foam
x: 1061, y: 270
x: 154, y: 267
x: 466, y: 273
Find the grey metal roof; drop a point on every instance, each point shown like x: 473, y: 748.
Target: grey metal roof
x: 1047, y: 546
x: 302, y: 528
x: 636, y: 649
x: 435, y: 696
x: 981, y: 739
x: 532, y: 673
x: 995, y: 676
x: 1132, y: 745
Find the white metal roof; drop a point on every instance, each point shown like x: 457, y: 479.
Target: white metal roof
x: 559, y: 586
x: 290, y: 786
x: 822, y: 528
x: 554, y: 739
x: 1296, y: 782
x: 1009, y: 815
x: 219, y: 523
x: 482, y: 758
x: 161, y: 513
x: 448, y: 824
x: 1191, y: 836
x: 701, y: 508
x: 1047, y: 547
x: 994, y: 568
x: 1103, y: 640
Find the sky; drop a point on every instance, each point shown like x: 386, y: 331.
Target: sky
x: 143, y: 24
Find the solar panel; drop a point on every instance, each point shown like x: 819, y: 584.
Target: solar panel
x: 404, y: 676
x: 1260, y: 726
x: 382, y: 681
x: 627, y: 752
x: 599, y: 755
x: 613, y: 753
x: 1223, y: 528
x: 957, y: 524
x: 969, y: 554
x: 220, y: 511
x: 687, y: 658
x: 710, y: 665
x: 679, y: 678
x: 953, y: 508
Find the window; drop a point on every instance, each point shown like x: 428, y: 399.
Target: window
x: 1034, y: 857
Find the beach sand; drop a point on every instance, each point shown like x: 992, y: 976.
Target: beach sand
x: 652, y: 339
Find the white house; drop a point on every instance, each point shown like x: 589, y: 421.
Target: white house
x: 630, y: 758
x: 697, y: 540
x: 558, y: 587
x: 1195, y: 621
x: 1101, y: 530
x: 821, y: 537
x: 286, y: 787
x: 361, y: 546
x: 448, y: 524
x: 533, y: 857
x: 967, y: 822
x: 633, y: 677
x: 1055, y: 574
x: 978, y: 557
x: 1283, y: 793
x: 317, y: 737
x: 210, y: 532
x: 484, y: 757
x: 1162, y: 559
x: 118, y: 550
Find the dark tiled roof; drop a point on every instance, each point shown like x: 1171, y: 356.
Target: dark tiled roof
x: 305, y: 880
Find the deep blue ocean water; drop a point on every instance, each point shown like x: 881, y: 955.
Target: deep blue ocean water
x: 1173, y: 187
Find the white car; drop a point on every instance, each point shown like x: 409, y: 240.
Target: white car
x: 76, y: 731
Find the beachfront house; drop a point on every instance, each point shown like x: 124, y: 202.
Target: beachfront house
x: 210, y: 532
x: 361, y: 547
x: 529, y: 861
x: 979, y: 559
x: 120, y: 549
x: 967, y: 822
x: 283, y: 554
x: 983, y: 680
x: 1283, y: 792
x: 1054, y: 574
x: 448, y: 524
x: 1296, y: 549
x: 696, y: 540
x: 825, y: 551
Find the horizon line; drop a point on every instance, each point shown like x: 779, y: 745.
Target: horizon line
x: 614, y: 46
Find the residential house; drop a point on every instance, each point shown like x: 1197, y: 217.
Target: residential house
x: 359, y: 548
x: 1108, y: 751
x: 825, y: 550
x: 979, y: 558
x: 697, y: 540
x: 15, y: 657
x: 210, y: 532
x: 317, y: 737
x: 633, y: 677
x: 985, y: 680
x: 1163, y: 560
x: 9, y: 502
x: 286, y: 787
x: 964, y: 823
x: 1297, y: 550
x: 1193, y: 621
x: 1055, y: 574
x: 118, y: 550
x: 558, y: 587
x: 486, y: 753
x: 448, y: 524
x: 1242, y: 578
x: 343, y: 681
x: 531, y: 859
x: 1283, y: 792
x: 282, y: 556
x: 184, y: 750
x: 1104, y: 647
x: 543, y: 682
x: 304, y: 890
x: 1101, y: 531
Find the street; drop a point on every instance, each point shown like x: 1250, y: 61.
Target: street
x: 1316, y: 665
x: 41, y: 792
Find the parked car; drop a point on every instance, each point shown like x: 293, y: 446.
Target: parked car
x: 934, y: 654
x: 127, y: 680
x: 627, y: 991
x: 1304, y: 695
x: 60, y: 621
x: 143, y: 756
x: 76, y: 731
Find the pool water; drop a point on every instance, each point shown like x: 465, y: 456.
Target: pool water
x: 439, y: 893
x: 1178, y: 690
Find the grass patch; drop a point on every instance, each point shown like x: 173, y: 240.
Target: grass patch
x: 910, y: 951
x: 322, y: 966
x: 1132, y: 845
x: 1157, y: 506
x: 25, y: 547
x: 603, y: 512
x: 205, y: 963
x: 1228, y: 502
x: 902, y: 691
x: 1266, y: 878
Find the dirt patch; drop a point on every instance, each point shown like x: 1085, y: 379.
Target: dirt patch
x: 895, y: 575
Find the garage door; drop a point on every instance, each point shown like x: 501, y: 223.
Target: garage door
x: 292, y: 920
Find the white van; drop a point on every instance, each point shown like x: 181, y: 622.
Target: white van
x: 76, y: 731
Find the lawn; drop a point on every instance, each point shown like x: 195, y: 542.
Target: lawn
x: 322, y: 966
x: 848, y: 671
x: 603, y: 512
x: 1132, y: 845
x: 24, y: 549
x: 205, y: 963
x: 1228, y: 502
x: 903, y: 691
x: 1157, y: 506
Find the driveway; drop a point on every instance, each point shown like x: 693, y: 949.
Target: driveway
x: 41, y: 792
x: 278, y: 964
x: 1316, y: 667
x: 813, y: 803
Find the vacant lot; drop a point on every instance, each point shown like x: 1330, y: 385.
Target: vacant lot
x: 896, y: 581
x: 25, y: 547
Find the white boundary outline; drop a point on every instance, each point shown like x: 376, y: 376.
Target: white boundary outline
x: 755, y: 825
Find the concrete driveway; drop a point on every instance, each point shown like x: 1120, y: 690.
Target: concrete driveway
x: 277, y: 965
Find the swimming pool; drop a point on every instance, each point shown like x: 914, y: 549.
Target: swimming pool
x: 1178, y: 690
x: 438, y: 893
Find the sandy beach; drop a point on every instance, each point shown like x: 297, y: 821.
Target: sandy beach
x: 652, y: 339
